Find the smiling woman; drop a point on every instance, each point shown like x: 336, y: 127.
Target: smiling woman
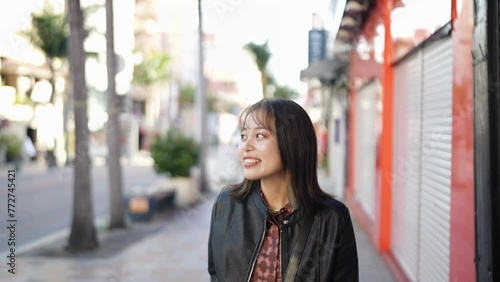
x: 277, y: 224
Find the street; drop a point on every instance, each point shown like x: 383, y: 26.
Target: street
x: 44, y: 199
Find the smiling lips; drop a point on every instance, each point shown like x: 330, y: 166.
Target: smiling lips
x: 248, y: 162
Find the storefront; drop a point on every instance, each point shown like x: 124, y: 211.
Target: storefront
x: 411, y: 180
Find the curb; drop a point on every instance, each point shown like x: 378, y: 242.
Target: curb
x: 58, y: 235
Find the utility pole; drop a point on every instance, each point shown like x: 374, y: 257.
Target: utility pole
x: 201, y: 106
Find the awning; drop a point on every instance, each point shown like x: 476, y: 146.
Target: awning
x: 324, y: 70
x: 10, y: 66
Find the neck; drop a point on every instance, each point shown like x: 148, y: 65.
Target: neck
x: 275, y: 193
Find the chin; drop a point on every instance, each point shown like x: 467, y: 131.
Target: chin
x: 251, y: 177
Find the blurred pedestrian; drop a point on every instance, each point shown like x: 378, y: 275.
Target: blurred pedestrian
x: 29, y: 149
x: 277, y: 224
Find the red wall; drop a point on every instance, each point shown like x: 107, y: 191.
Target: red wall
x: 462, y: 245
x: 385, y: 198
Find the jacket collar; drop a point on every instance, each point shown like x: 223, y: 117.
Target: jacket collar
x: 259, y: 203
x: 255, y: 195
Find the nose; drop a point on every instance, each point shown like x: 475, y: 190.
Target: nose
x: 247, y: 145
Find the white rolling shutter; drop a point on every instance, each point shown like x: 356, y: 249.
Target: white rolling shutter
x: 407, y: 163
x: 436, y: 161
x: 365, y: 146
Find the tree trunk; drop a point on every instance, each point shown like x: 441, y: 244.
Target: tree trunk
x: 50, y: 62
x: 117, y: 216
x: 263, y: 80
x: 52, y: 80
x: 83, y: 234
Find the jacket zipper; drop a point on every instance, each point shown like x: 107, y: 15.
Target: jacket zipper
x: 280, y: 245
x: 256, y: 252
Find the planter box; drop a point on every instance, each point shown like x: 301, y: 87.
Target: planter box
x: 141, y: 207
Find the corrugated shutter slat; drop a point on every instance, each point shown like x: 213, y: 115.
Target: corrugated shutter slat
x: 422, y: 162
x: 407, y: 158
x: 365, y: 146
x: 436, y: 162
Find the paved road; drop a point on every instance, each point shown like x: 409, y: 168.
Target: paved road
x: 44, y: 199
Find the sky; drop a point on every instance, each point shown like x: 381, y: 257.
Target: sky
x: 13, y: 19
x: 285, y: 24
x: 406, y: 20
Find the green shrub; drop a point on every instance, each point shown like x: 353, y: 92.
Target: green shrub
x: 12, y: 144
x: 174, y: 154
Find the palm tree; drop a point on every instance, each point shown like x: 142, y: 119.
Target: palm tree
x: 83, y: 234
x: 285, y: 92
x: 117, y: 216
x: 261, y: 55
x: 152, y: 69
x: 49, y: 34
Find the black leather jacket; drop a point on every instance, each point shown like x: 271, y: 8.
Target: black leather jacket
x: 238, y: 228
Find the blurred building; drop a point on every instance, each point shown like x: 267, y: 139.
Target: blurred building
x: 145, y: 100
x: 178, y: 27
x: 96, y: 74
x: 24, y: 70
x: 232, y: 79
x: 400, y: 72
x: 326, y: 100
x: 172, y: 27
x: 27, y: 108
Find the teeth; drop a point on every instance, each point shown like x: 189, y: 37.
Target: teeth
x: 251, y: 161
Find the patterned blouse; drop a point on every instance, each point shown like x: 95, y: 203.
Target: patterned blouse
x: 267, y: 267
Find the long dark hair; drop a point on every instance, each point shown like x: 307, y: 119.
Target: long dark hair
x: 297, y: 144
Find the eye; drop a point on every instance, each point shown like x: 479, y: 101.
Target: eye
x: 259, y: 135
x: 243, y: 137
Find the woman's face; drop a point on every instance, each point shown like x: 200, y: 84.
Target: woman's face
x: 259, y: 152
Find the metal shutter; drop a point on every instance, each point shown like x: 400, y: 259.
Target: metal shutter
x: 365, y: 146
x: 436, y: 161
x: 407, y: 162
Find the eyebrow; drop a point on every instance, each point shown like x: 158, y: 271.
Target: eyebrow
x: 258, y: 127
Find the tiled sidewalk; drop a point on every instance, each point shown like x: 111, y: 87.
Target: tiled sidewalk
x: 177, y: 253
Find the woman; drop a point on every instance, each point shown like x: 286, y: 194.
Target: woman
x: 278, y: 225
